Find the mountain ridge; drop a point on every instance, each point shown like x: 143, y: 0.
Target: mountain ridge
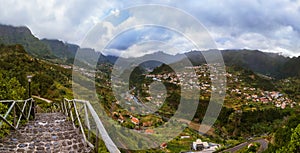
x: 22, y: 35
x: 269, y: 64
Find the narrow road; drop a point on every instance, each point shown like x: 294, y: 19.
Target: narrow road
x: 263, y: 145
x: 236, y: 148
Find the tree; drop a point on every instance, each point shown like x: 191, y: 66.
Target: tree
x: 42, y: 84
x: 10, y: 88
x: 294, y: 144
x: 295, y: 140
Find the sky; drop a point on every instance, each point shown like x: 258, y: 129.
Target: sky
x: 267, y: 25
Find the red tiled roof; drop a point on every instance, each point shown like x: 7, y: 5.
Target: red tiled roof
x: 135, y: 120
x: 149, y: 131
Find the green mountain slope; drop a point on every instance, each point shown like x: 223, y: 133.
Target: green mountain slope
x: 61, y: 49
x: 270, y: 64
x: 22, y: 35
x: 49, y: 80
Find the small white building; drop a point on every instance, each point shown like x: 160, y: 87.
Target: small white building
x: 199, y: 145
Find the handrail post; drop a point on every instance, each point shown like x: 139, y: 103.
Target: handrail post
x: 22, y: 113
x: 87, y: 122
x: 78, y: 118
x: 97, y: 141
x: 33, y: 109
x: 29, y: 110
x: 65, y: 107
x: 61, y: 107
x: 15, y: 116
x: 71, y: 114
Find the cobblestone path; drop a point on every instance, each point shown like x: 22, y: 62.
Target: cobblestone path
x: 50, y: 132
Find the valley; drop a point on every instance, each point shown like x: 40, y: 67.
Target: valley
x: 261, y: 98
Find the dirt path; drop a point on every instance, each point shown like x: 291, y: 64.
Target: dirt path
x: 196, y: 126
x: 43, y: 99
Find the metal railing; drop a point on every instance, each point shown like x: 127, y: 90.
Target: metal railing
x: 81, y: 111
x: 18, y: 110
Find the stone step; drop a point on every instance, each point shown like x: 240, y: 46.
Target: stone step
x: 49, y: 132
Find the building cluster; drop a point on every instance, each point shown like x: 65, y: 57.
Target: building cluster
x: 266, y: 97
x: 197, y: 77
x: 202, y: 76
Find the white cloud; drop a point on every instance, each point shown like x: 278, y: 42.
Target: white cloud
x: 115, y: 12
x: 140, y: 49
x: 268, y: 25
x: 169, y: 19
x: 65, y: 20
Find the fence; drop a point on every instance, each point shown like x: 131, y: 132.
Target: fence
x: 18, y: 110
x: 81, y: 111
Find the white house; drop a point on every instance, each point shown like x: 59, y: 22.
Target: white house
x: 199, y: 145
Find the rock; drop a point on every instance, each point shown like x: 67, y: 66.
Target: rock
x: 22, y: 145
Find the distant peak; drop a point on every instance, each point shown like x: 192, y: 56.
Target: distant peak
x: 17, y: 28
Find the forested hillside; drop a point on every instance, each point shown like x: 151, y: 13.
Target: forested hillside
x: 22, y: 35
x: 48, y: 80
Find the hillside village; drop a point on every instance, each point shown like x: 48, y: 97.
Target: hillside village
x: 234, y: 88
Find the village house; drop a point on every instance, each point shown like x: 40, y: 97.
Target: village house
x: 199, y: 145
x: 149, y: 131
x: 164, y: 145
x: 134, y: 120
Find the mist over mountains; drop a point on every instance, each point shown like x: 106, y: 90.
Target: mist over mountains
x: 269, y: 64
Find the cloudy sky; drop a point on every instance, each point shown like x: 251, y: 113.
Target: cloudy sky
x: 266, y: 25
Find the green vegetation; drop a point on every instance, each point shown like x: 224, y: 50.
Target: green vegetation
x: 60, y: 49
x: 251, y: 75
x: 10, y: 89
x: 283, y: 137
x: 240, y: 118
x: 294, y: 144
x: 22, y: 35
x: 49, y: 80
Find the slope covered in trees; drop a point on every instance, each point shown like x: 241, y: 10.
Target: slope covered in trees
x: 48, y: 80
x: 22, y: 35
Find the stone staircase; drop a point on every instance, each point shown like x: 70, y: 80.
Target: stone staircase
x: 49, y: 132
